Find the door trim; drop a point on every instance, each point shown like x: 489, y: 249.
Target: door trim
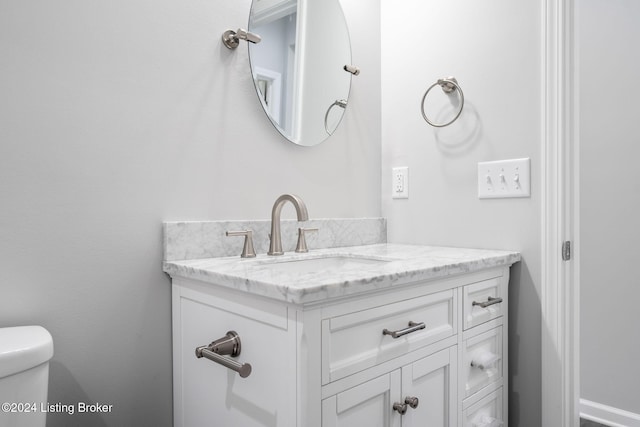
x: 559, y: 288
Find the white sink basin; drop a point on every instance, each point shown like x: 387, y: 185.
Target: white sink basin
x: 332, y: 263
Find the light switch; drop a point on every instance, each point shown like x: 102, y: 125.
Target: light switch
x: 504, y: 178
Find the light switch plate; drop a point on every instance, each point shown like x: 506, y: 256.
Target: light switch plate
x: 504, y: 178
x: 400, y: 183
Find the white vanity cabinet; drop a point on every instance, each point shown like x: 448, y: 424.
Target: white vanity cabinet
x: 327, y: 363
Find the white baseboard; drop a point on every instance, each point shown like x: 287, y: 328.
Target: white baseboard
x: 608, y: 415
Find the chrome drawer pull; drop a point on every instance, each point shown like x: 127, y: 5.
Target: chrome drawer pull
x: 413, y: 326
x: 227, y: 345
x: 488, y: 302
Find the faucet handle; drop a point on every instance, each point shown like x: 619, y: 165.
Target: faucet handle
x: 247, y: 250
x: 302, y: 241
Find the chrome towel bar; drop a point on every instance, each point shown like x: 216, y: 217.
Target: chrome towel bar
x: 228, y: 345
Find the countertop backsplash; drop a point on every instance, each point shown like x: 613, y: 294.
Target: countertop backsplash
x: 206, y: 239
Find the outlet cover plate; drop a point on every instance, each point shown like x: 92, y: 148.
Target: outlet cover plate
x: 400, y: 182
x: 504, y: 178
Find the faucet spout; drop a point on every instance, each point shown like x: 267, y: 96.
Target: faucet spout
x: 275, y: 246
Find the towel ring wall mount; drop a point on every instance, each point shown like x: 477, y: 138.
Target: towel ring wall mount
x: 448, y: 85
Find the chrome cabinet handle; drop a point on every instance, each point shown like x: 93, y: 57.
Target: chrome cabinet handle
x: 401, y: 408
x: 412, y: 401
x: 409, y: 401
x: 413, y: 326
x: 488, y: 302
x: 229, y: 345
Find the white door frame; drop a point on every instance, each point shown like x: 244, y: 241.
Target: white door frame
x: 560, y: 222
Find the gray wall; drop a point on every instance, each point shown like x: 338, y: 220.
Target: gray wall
x: 494, y: 49
x: 116, y: 116
x: 608, y: 69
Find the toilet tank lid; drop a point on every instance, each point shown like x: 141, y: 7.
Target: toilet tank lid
x: 23, y: 347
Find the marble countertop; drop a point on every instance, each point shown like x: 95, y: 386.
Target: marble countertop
x: 336, y: 272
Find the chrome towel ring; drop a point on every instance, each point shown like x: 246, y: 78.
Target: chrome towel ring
x: 448, y: 85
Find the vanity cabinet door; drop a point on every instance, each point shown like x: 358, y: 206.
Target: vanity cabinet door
x: 432, y: 381
x: 368, y: 404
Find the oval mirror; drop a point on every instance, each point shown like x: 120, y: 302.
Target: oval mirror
x: 298, y: 67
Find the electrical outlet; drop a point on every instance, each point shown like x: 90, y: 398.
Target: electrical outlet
x: 504, y: 178
x: 400, y: 183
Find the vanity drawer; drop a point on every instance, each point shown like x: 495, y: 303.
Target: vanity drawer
x: 481, y: 360
x: 485, y: 413
x: 356, y: 341
x: 483, y: 301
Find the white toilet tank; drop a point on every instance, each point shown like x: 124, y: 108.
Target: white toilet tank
x: 24, y: 375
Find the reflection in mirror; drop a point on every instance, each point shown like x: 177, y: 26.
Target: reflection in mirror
x: 298, y: 68
x: 332, y: 122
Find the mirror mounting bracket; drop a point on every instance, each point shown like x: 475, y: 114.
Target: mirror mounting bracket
x: 352, y: 69
x: 231, y: 39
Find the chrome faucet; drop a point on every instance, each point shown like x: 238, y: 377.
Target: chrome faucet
x: 275, y: 246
